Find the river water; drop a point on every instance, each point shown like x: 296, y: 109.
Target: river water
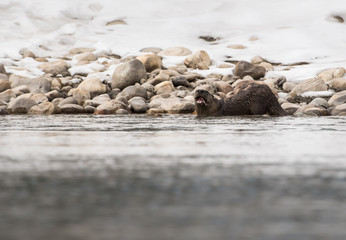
x: 175, y: 177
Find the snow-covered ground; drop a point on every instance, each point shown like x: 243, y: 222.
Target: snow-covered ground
x: 285, y: 31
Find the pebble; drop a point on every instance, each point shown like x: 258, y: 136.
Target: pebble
x: 198, y: 60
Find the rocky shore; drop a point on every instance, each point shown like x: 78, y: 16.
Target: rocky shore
x: 84, y: 82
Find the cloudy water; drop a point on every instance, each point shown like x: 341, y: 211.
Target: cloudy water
x: 172, y: 177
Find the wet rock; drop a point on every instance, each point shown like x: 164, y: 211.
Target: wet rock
x: 332, y: 73
x: 89, y: 109
x: 7, y: 95
x: 164, y: 88
x: 2, y: 69
x: 172, y: 105
x: 94, y: 86
x: 110, y: 107
x: 86, y: 57
x: 53, y: 94
x: 151, y: 49
x: 81, y: 50
x: 288, y: 86
x: 309, y: 85
x: 198, y: 60
x: 71, y: 109
x: 55, y: 68
x: 3, y: 111
x: 39, y: 98
x: 317, y: 111
x: 134, y: 91
x: 155, y: 111
x: 222, y: 86
x: 319, y: 102
x: 175, y: 51
x: 45, y: 108
x: 69, y: 100
x: 338, y: 84
x: 128, y: 74
x: 138, y: 105
x: 150, y: 61
x: 180, y: 81
x: 80, y: 95
x: 96, y: 101
x: 290, y: 108
x: 244, y: 68
x: 20, y: 105
x: 35, y: 85
x: 338, y: 99
x: 339, y: 110
x: 4, y: 85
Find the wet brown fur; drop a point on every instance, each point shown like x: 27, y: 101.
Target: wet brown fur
x: 248, y: 98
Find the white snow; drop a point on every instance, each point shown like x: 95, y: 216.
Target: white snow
x: 287, y: 31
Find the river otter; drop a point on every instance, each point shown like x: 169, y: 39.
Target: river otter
x: 246, y: 99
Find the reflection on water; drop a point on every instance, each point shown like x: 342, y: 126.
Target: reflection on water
x: 172, y: 177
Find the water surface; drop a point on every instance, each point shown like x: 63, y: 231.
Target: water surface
x: 172, y: 177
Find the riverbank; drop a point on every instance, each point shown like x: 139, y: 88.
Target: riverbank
x: 83, y: 81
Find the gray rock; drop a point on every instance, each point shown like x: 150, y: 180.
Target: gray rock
x: 288, y: 86
x: 222, y: 86
x: 71, y: 109
x: 20, y: 105
x: 4, y: 85
x: 244, y: 68
x: 134, y: 91
x: 172, y: 105
x: 53, y: 94
x: 339, y: 110
x: 89, y: 109
x: 45, y: 108
x: 138, y: 105
x: 128, y: 74
x: 290, y: 108
x: 180, y: 81
x: 319, y: 102
x: 35, y: 85
x: 94, y: 86
x: 164, y: 88
x: 3, y: 110
x: 80, y: 95
x: 338, y: 99
x: 110, y: 107
x: 2, y: 69
x: 309, y: 85
x: 69, y: 100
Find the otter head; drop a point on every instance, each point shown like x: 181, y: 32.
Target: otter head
x: 205, y: 103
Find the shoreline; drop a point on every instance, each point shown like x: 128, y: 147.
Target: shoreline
x: 84, y: 82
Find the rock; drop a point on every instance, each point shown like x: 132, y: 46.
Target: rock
x: 89, y: 109
x: 288, y: 86
x: 317, y: 111
x: 198, y: 60
x: 332, y: 73
x: 80, y: 95
x: 339, y: 110
x: 164, y: 88
x: 22, y: 89
x: 180, y: 81
x: 319, y: 102
x: 71, y: 109
x: 161, y: 77
x: 97, y: 101
x: 55, y: 68
x: 243, y: 69
x: 35, y: 85
x: 7, y: 95
x: 4, y: 85
x: 290, y: 108
x: 39, y: 98
x: 110, y: 107
x: 206, y: 87
x: 257, y: 60
x: 138, y: 105
x: 128, y: 74
x: 2, y: 69
x: 236, y: 46
x: 3, y: 77
x: 53, y: 94
x: 69, y: 100
x: 175, y: 51
x: 267, y: 66
x: 86, y: 57
x: 121, y: 111
x: 173, y: 105
x: 45, y: 108
x: 93, y: 86
x: 151, y: 49
x: 338, y: 99
x: 338, y: 84
x: 155, y: 111
x: 27, y: 53
x: 150, y: 61
x: 81, y: 50
x: 134, y: 91
x: 20, y: 105
x: 55, y: 84
x: 3, y: 111
x: 222, y: 86
x: 309, y: 85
